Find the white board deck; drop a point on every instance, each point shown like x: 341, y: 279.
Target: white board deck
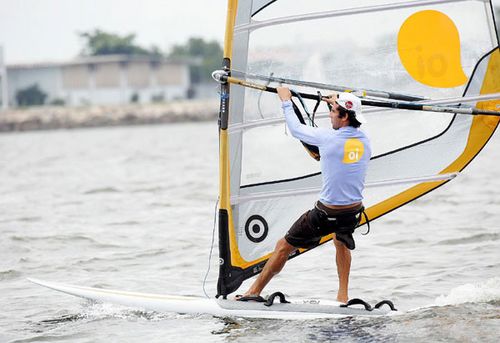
x: 298, y: 309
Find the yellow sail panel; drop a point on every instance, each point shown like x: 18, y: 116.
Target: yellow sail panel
x: 483, y: 126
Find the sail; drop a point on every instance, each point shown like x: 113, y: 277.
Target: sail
x: 432, y: 49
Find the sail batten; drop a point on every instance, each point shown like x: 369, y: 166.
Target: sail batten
x: 345, y: 12
x: 294, y: 192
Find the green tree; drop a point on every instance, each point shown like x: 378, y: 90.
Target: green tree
x: 30, y: 96
x: 98, y: 42
x: 209, y: 52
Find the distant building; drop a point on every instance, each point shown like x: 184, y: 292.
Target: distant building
x: 3, y: 81
x: 104, y: 80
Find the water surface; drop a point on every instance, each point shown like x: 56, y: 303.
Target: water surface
x: 132, y: 208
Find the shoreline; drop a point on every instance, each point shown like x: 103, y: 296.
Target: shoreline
x: 59, y: 117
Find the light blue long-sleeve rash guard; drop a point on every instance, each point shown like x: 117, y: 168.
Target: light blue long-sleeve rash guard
x: 345, y: 154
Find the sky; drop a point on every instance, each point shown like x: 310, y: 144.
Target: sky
x: 47, y: 30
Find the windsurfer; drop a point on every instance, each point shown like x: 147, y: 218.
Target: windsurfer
x: 345, y: 152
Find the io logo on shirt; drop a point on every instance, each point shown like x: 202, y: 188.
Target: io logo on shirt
x: 353, y: 150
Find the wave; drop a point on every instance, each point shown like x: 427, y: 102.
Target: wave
x: 480, y: 292
x: 9, y: 274
x: 482, y: 237
x: 102, y: 190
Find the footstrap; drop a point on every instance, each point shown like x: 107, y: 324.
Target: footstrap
x: 270, y: 299
x: 386, y: 302
x: 357, y: 301
x: 256, y: 298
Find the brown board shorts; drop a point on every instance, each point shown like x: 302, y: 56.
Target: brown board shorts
x: 305, y: 233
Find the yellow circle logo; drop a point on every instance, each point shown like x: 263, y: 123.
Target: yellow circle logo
x: 353, y: 150
x: 429, y: 49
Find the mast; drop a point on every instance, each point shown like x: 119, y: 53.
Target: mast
x: 224, y: 168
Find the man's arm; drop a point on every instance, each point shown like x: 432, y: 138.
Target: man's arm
x: 307, y: 134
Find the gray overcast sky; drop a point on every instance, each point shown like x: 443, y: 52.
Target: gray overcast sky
x: 41, y: 30
x: 46, y: 30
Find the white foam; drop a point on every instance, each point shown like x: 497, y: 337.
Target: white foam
x: 100, y: 310
x: 478, y: 292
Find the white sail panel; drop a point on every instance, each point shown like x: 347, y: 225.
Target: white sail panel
x: 269, y: 154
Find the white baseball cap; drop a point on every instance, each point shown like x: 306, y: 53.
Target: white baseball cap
x: 351, y: 102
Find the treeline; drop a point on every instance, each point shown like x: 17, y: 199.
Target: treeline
x: 209, y: 53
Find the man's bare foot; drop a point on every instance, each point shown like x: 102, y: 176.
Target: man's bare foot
x: 342, y: 299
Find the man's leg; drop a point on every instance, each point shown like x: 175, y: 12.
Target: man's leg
x: 273, y: 266
x: 343, y: 258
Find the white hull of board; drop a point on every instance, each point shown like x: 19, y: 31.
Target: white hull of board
x: 300, y: 309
